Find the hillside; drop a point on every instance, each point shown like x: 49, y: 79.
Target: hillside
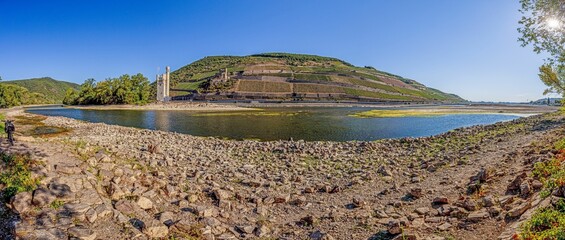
x: 51, y: 90
x: 296, y: 77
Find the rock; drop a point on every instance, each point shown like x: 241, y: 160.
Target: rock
x: 487, y: 201
x: 91, y: 215
x: 308, y: 221
x: 42, y: 197
x: 103, y: 211
x: 262, y: 231
x: 515, y: 184
x: 406, y: 236
x: 336, y: 189
x: 167, y: 218
x: 525, y: 189
x: 67, y: 169
x: 519, y: 210
x: 192, y: 198
x: 468, y: 204
x: 394, y: 227
x: 482, y: 176
x: 440, y: 200
x: 155, y: 229
x: 422, y: 210
x: 537, y: 185
x: 384, y: 171
x: 144, y: 203
x: 60, y: 190
x: 477, y: 216
x: 154, y: 149
x: 459, y: 213
x: 317, y: 235
x: 21, y: 202
x: 82, y: 233
x: 282, y: 198
x: 358, y: 202
x: 115, y: 192
x: 309, y: 190
x: 222, y: 195
x: 92, y: 161
x: 444, y: 226
x: 203, y: 211
x: 77, y: 208
x: 299, y: 201
x: 505, y: 200
x: 415, y: 193
x: 248, y: 229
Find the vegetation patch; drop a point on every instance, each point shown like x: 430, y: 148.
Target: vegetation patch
x: 251, y: 86
x: 47, y: 131
x: 549, y: 223
x: 15, y: 175
x: 277, y: 87
x: 316, y: 88
x: 377, y: 113
x: 378, y: 95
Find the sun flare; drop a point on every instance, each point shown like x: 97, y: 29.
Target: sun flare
x: 553, y: 23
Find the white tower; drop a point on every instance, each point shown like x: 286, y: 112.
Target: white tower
x: 163, y: 85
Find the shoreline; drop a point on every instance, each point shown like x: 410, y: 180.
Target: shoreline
x: 230, y: 107
x: 280, y: 189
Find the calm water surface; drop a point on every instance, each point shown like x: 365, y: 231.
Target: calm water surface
x: 311, y: 124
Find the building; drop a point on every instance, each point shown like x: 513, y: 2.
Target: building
x: 163, y: 85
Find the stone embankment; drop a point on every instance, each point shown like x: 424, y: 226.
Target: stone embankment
x: 101, y: 181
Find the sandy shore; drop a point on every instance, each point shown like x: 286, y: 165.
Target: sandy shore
x: 176, y: 106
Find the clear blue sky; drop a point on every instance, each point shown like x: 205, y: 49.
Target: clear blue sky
x: 467, y: 47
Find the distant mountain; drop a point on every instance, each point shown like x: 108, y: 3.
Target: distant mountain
x: 51, y: 90
x: 297, y: 77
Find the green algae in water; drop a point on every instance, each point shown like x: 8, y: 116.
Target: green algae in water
x: 47, y: 130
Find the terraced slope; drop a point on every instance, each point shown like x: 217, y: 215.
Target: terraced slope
x: 292, y: 76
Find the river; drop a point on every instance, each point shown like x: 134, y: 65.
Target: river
x: 306, y: 123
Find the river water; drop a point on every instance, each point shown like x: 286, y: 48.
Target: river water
x: 307, y: 123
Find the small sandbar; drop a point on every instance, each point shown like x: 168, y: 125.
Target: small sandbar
x: 431, y: 111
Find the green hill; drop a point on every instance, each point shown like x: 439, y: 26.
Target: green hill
x: 49, y: 89
x: 291, y: 76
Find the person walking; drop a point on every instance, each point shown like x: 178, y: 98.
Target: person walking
x: 9, y: 128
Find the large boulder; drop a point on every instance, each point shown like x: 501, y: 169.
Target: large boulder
x: 155, y: 229
x: 21, y: 203
x: 42, y: 196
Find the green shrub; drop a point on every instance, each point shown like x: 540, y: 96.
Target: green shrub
x: 16, y: 177
x: 547, y: 223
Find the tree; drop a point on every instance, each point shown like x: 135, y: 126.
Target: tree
x: 125, y: 89
x: 553, y: 78
x: 543, y: 27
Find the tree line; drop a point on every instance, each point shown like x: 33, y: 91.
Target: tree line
x: 125, y: 89
x: 12, y: 95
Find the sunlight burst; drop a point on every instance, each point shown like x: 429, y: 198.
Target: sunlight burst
x: 553, y: 23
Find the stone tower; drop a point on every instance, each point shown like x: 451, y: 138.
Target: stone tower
x: 163, y: 85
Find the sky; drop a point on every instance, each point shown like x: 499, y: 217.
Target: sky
x: 466, y: 47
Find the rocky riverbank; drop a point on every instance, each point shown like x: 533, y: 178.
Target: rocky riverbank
x: 102, y: 181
